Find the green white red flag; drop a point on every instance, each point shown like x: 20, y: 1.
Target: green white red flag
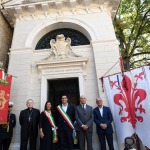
x: 2, y: 76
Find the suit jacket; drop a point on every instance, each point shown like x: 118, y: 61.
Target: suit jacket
x: 107, y: 119
x: 24, y: 122
x: 12, y: 123
x: 84, y: 117
x: 60, y: 121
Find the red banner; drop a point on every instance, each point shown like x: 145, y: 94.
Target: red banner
x: 5, y: 85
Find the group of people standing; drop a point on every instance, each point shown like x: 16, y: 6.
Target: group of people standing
x: 63, y: 127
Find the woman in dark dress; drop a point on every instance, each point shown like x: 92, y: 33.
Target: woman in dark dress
x: 48, y: 134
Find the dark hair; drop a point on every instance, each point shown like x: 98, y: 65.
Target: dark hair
x: 45, y: 107
x: 64, y: 95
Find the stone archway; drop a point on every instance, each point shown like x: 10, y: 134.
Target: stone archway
x: 42, y: 29
x: 77, y: 38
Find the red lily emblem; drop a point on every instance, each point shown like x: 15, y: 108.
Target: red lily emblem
x: 131, y: 97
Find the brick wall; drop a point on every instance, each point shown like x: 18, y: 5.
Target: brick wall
x: 5, y: 40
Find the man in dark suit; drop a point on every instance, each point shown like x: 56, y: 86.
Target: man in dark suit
x: 6, y: 130
x: 29, y: 120
x: 84, y: 126
x: 103, y: 119
x: 65, y: 131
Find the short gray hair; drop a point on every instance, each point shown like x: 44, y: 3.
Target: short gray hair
x: 30, y: 100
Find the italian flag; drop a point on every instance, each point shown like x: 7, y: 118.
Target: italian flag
x: 2, y: 75
x: 5, y: 78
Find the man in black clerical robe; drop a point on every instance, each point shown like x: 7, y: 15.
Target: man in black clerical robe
x: 29, y: 121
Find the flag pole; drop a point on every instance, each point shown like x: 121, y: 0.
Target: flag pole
x: 124, y: 71
x: 137, y: 141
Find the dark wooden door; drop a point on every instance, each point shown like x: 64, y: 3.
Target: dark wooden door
x: 59, y: 87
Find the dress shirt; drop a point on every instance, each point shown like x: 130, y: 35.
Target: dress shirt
x: 64, y: 107
x: 101, y: 110
x: 84, y: 106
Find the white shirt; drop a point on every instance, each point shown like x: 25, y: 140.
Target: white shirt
x: 64, y: 107
x: 84, y: 105
x: 101, y: 111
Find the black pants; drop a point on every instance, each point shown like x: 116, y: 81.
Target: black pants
x: 102, y: 139
x: 5, y: 143
x: 65, y: 139
x: 85, y: 135
x: 32, y: 143
x: 31, y: 139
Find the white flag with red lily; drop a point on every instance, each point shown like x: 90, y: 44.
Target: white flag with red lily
x: 119, y: 107
x: 129, y: 100
x: 143, y: 105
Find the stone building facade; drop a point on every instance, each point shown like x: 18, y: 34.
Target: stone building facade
x: 46, y: 63
x: 6, y: 33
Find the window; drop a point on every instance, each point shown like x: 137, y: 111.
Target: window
x: 77, y: 38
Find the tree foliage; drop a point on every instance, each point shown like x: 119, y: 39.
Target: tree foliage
x: 132, y: 27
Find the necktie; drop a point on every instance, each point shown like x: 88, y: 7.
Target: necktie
x: 83, y: 106
x: 30, y: 115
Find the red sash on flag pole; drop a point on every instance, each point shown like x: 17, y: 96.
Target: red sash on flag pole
x: 5, y: 85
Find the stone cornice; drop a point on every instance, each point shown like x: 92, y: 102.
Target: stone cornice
x: 53, y: 66
x: 105, y: 42
x: 48, y: 8
x: 61, y: 61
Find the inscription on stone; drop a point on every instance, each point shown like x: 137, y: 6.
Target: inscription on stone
x: 65, y: 70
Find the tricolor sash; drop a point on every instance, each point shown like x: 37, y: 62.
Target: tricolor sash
x: 54, y: 128
x: 69, y: 122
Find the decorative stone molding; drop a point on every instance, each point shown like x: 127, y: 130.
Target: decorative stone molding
x: 73, y: 23
x: 61, y: 48
x: 61, y: 66
x: 106, y: 42
x: 46, y: 8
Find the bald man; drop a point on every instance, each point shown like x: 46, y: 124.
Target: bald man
x: 84, y: 119
x: 103, y: 119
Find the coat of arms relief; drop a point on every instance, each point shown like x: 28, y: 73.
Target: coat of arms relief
x: 62, y: 58
x: 61, y: 48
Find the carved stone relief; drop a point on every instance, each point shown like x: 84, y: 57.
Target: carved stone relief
x: 61, y: 48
